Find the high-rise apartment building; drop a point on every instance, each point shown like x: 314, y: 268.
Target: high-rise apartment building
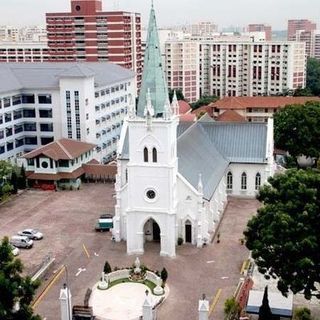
x: 299, y: 25
x: 234, y: 68
x: 89, y: 34
x: 258, y: 27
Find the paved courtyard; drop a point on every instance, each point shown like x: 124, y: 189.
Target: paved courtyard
x: 67, y: 220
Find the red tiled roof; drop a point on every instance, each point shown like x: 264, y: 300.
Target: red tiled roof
x: 100, y: 170
x: 188, y: 117
x: 63, y: 149
x: 231, y: 116
x: 50, y: 176
x: 184, y: 107
x: 259, y: 102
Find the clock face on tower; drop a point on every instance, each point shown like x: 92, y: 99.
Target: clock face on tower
x: 151, y: 194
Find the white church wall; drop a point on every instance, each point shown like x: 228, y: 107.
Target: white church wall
x: 251, y: 170
x: 187, y: 209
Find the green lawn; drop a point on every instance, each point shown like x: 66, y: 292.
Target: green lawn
x: 148, y: 283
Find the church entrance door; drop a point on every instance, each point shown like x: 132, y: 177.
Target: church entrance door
x: 188, y: 235
x: 156, y: 231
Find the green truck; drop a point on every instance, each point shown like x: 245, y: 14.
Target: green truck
x: 104, y: 223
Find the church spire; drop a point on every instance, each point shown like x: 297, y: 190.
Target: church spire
x: 153, y: 77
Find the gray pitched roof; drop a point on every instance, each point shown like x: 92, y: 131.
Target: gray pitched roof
x: 197, y: 154
x: 17, y: 76
x: 239, y: 142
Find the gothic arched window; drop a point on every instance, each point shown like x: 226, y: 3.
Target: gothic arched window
x: 258, y: 181
x: 244, y: 181
x: 154, y: 155
x: 229, y: 180
x: 145, y: 154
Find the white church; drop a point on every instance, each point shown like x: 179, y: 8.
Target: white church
x: 173, y: 178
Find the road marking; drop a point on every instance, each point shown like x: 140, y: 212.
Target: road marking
x: 86, y: 251
x: 96, y: 254
x: 215, y: 301
x: 210, y: 261
x: 50, y: 284
x: 224, y: 278
x: 80, y: 270
x: 244, y: 264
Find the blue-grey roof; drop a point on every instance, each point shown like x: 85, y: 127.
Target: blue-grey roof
x: 197, y: 154
x: 239, y: 142
x: 44, y: 75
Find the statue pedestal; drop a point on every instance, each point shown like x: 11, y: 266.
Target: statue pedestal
x: 103, y: 285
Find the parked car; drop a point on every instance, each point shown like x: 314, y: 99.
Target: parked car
x: 15, y: 251
x: 31, y: 234
x: 104, y: 223
x: 21, y: 242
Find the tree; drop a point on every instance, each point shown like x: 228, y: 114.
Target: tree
x: 284, y: 235
x: 14, y: 287
x: 302, y: 92
x: 297, y: 129
x: 231, y: 309
x: 265, y: 311
x: 107, y: 268
x: 5, y: 173
x: 14, y: 182
x: 302, y: 314
x: 22, y: 180
x: 313, y: 76
x: 179, y: 94
x: 164, y: 275
x: 203, y: 101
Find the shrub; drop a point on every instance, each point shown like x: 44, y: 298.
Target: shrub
x: 180, y: 241
x: 107, y: 268
x: 302, y: 314
x: 231, y: 308
x: 164, y: 275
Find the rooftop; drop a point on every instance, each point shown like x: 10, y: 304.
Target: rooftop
x: 45, y: 75
x: 230, y: 116
x: 63, y: 149
x: 259, y: 102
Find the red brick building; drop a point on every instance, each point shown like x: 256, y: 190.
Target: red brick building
x: 89, y: 34
x: 299, y: 25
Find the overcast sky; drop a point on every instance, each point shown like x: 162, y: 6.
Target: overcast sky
x: 172, y: 12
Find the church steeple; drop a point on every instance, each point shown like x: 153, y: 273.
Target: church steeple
x: 153, y: 77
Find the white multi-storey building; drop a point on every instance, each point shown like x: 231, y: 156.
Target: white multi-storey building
x: 24, y: 52
x: 42, y: 102
x: 235, y: 67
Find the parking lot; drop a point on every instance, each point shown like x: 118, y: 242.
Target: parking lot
x: 66, y: 218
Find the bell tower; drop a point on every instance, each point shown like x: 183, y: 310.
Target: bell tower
x: 153, y: 163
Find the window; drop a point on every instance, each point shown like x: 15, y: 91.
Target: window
x: 229, y: 181
x: 44, y: 98
x: 258, y: 181
x: 45, y: 113
x: 145, y: 154
x: 154, y: 155
x: 244, y: 181
x: 28, y: 98
x: 126, y: 175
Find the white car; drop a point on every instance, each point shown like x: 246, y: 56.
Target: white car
x: 31, y: 234
x: 15, y: 251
